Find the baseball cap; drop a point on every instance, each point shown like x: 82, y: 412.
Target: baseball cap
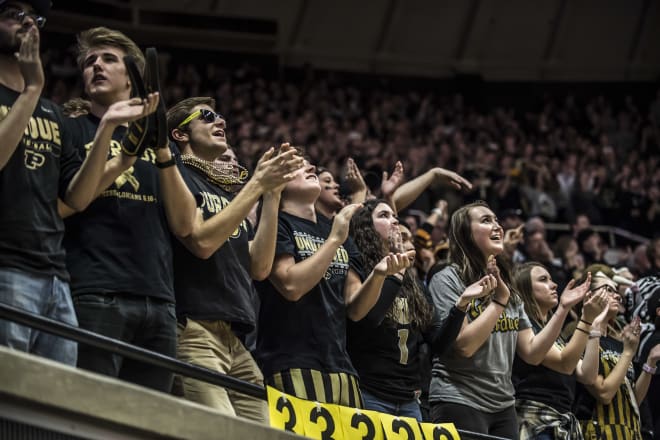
x: 41, y: 7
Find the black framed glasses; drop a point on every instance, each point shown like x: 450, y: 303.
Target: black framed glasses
x: 609, y: 289
x: 19, y: 15
x: 205, y: 115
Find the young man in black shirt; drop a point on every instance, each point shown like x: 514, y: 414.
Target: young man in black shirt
x: 214, y: 265
x: 118, y: 251
x: 38, y: 164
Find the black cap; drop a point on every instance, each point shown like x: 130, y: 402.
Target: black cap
x: 41, y: 7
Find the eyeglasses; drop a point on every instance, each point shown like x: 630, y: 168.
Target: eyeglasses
x: 609, y: 289
x: 19, y: 15
x: 205, y: 115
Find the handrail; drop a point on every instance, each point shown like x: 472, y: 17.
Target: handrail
x: 611, y: 231
x: 147, y: 356
x: 130, y: 351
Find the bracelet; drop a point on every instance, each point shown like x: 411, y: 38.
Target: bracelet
x: 462, y: 309
x: 585, y: 321
x: 649, y: 369
x: 498, y: 303
x: 595, y: 334
x: 167, y: 163
x: 582, y: 330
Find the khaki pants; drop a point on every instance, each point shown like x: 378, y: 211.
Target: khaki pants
x: 212, y: 344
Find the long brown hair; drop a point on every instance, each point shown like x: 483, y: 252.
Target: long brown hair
x: 370, y: 244
x: 466, y: 255
x: 522, y: 281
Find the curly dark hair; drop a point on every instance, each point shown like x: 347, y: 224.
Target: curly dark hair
x: 373, y: 249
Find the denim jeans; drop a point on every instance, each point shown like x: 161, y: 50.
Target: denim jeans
x: 45, y: 295
x: 143, y: 321
x: 404, y: 409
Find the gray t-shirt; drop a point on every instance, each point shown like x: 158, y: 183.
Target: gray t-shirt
x: 483, y: 381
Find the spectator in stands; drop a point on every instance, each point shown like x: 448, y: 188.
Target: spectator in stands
x: 118, y: 251
x: 653, y: 256
x: 545, y: 393
x: 572, y: 261
x: 537, y: 248
x: 329, y: 202
x: 649, y: 341
x: 217, y: 310
x: 591, y: 246
x: 580, y: 223
x: 315, y: 283
x: 39, y: 163
x: 471, y: 383
x: 385, y: 345
x: 609, y: 407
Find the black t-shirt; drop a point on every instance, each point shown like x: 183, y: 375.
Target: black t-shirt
x: 386, y: 356
x: 39, y: 171
x: 311, y: 332
x: 220, y: 287
x: 121, y: 242
x: 544, y: 385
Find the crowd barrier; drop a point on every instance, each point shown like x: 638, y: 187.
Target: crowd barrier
x: 283, y: 408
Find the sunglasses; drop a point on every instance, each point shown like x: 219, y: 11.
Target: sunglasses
x: 205, y: 115
x: 20, y: 16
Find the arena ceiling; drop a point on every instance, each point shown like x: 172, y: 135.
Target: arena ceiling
x: 519, y: 40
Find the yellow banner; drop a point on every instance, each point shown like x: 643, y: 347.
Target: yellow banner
x: 328, y: 421
x: 361, y: 424
x: 282, y: 411
x: 400, y: 428
x: 322, y: 420
x: 440, y: 431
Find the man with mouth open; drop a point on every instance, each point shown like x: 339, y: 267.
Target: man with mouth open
x: 215, y: 265
x: 119, y: 251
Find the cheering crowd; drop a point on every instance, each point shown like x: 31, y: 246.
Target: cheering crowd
x: 318, y: 269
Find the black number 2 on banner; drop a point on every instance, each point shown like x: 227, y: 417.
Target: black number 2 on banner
x: 440, y: 433
x: 398, y: 425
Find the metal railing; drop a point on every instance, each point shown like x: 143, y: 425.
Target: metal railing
x: 611, y: 231
x: 96, y: 340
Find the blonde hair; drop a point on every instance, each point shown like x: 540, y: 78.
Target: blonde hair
x: 102, y: 36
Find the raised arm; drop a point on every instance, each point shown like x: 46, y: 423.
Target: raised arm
x: 533, y: 348
x: 262, y: 248
x: 360, y: 297
x: 587, y: 368
x: 565, y: 361
x: 271, y: 171
x: 644, y: 379
x: 390, y: 183
x: 605, y: 388
x: 355, y: 182
x: 13, y: 125
x: 117, y: 114
x: 444, y: 332
x: 294, y: 280
x: 179, y: 203
x: 474, y: 334
x: 409, y: 191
